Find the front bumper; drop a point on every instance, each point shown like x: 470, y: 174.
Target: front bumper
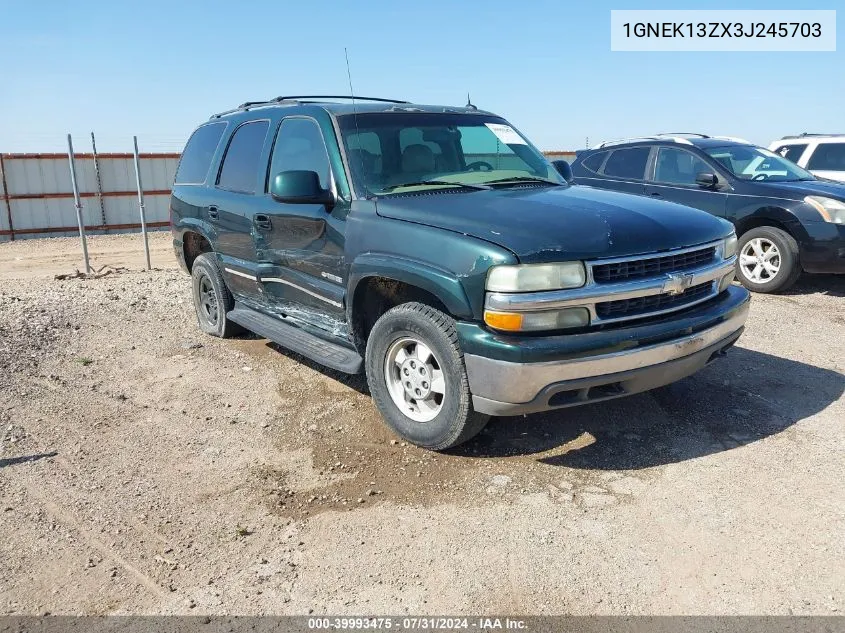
x: 505, y: 387
x: 823, y: 250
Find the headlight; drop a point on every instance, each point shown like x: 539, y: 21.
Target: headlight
x: 831, y: 210
x: 530, y: 277
x: 729, y: 248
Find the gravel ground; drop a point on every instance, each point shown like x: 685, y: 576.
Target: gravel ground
x: 147, y: 468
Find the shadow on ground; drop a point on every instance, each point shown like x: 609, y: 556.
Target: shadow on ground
x: 742, y: 398
x: 12, y: 461
x: 831, y: 285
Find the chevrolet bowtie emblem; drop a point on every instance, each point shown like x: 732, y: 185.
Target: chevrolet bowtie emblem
x: 677, y: 283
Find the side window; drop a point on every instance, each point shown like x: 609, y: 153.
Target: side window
x: 627, y: 163
x: 678, y: 167
x: 196, y: 159
x: 240, y: 164
x: 594, y: 162
x: 791, y: 152
x: 828, y: 156
x: 300, y: 145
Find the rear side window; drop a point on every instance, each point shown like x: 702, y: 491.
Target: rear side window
x: 594, y: 162
x: 828, y: 156
x: 196, y: 159
x: 791, y: 152
x: 240, y: 164
x: 627, y: 163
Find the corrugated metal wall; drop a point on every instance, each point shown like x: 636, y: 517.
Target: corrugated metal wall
x: 37, y: 196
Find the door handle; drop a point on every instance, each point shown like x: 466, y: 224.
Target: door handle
x: 262, y: 221
x: 213, y: 212
x: 655, y: 194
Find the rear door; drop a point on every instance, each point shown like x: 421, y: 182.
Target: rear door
x: 235, y: 201
x: 300, y: 247
x: 624, y: 169
x: 672, y: 178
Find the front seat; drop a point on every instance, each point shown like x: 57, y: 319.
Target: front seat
x: 418, y: 161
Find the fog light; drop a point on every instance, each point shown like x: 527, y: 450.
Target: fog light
x: 727, y: 280
x: 537, y: 321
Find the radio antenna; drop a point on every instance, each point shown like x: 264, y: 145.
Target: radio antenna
x: 354, y: 114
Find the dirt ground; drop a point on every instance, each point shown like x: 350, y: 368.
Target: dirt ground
x: 146, y: 468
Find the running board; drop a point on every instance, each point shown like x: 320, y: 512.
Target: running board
x: 298, y: 340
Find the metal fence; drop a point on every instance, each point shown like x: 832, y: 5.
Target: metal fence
x: 38, y: 201
x: 37, y: 195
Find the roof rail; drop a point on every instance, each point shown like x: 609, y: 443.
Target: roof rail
x: 300, y: 99
x: 682, y: 134
x: 350, y: 97
x: 676, y: 139
x: 735, y: 139
x: 805, y: 134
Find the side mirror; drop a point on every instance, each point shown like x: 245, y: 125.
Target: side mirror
x: 300, y: 187
x: 564, y: 169
x: 706, y: 179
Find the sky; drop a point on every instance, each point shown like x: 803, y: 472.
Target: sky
x: 157, y: 69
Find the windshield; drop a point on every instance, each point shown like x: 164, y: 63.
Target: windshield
x: 755, y: 163
x: 401, y: 152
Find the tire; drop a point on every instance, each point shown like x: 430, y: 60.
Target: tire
x: 441, y: 420
x: 759, y: 276
x: 212, y: 299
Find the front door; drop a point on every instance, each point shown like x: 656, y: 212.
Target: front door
x: 300, y: 247
x: 675, y: 170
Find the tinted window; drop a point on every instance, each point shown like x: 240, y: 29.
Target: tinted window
x: 829, y: 156
x: 300, y: 145
x: 594, y: 162
x: 365, y: 156
x: 196, y: 159
x: 678, y: 167
x: 240, y: 165
x: 791, y: 152
x: 627, y: 163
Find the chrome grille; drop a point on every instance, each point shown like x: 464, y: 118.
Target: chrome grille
x: 652, y: 266
x: 641, y: 306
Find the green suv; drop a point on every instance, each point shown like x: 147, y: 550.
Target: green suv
x: 436, y: 248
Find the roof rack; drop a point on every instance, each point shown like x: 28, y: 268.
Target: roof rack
x: 682, y: 134
x: 301, y: 99
x: 805, y: 134
x: 657, y: 137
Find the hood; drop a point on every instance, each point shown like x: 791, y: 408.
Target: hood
x: 801, y: 188
x: 541, y: 224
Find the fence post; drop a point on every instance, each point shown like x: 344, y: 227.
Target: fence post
x: 141, y: 201
x: 77, y: 203
x: 6, y: 198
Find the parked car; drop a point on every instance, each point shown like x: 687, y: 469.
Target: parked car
x: 787, y: 220
x: 436, y: 249
x: 823, y: 155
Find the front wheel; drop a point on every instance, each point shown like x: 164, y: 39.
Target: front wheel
x: 417, y: 377
x: 768, y: 260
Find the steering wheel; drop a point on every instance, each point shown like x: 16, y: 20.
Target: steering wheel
x: 760, y: 177
x: 480, y: 165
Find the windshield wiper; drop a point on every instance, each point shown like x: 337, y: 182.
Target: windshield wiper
x: 422, y: 183
x: 516, y: 179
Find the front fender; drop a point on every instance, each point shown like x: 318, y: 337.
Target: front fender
x: 438, y: 281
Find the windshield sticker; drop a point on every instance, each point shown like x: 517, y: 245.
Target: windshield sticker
x: 506, y: 134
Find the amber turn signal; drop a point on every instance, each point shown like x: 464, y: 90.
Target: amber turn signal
x: 506, y: 321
